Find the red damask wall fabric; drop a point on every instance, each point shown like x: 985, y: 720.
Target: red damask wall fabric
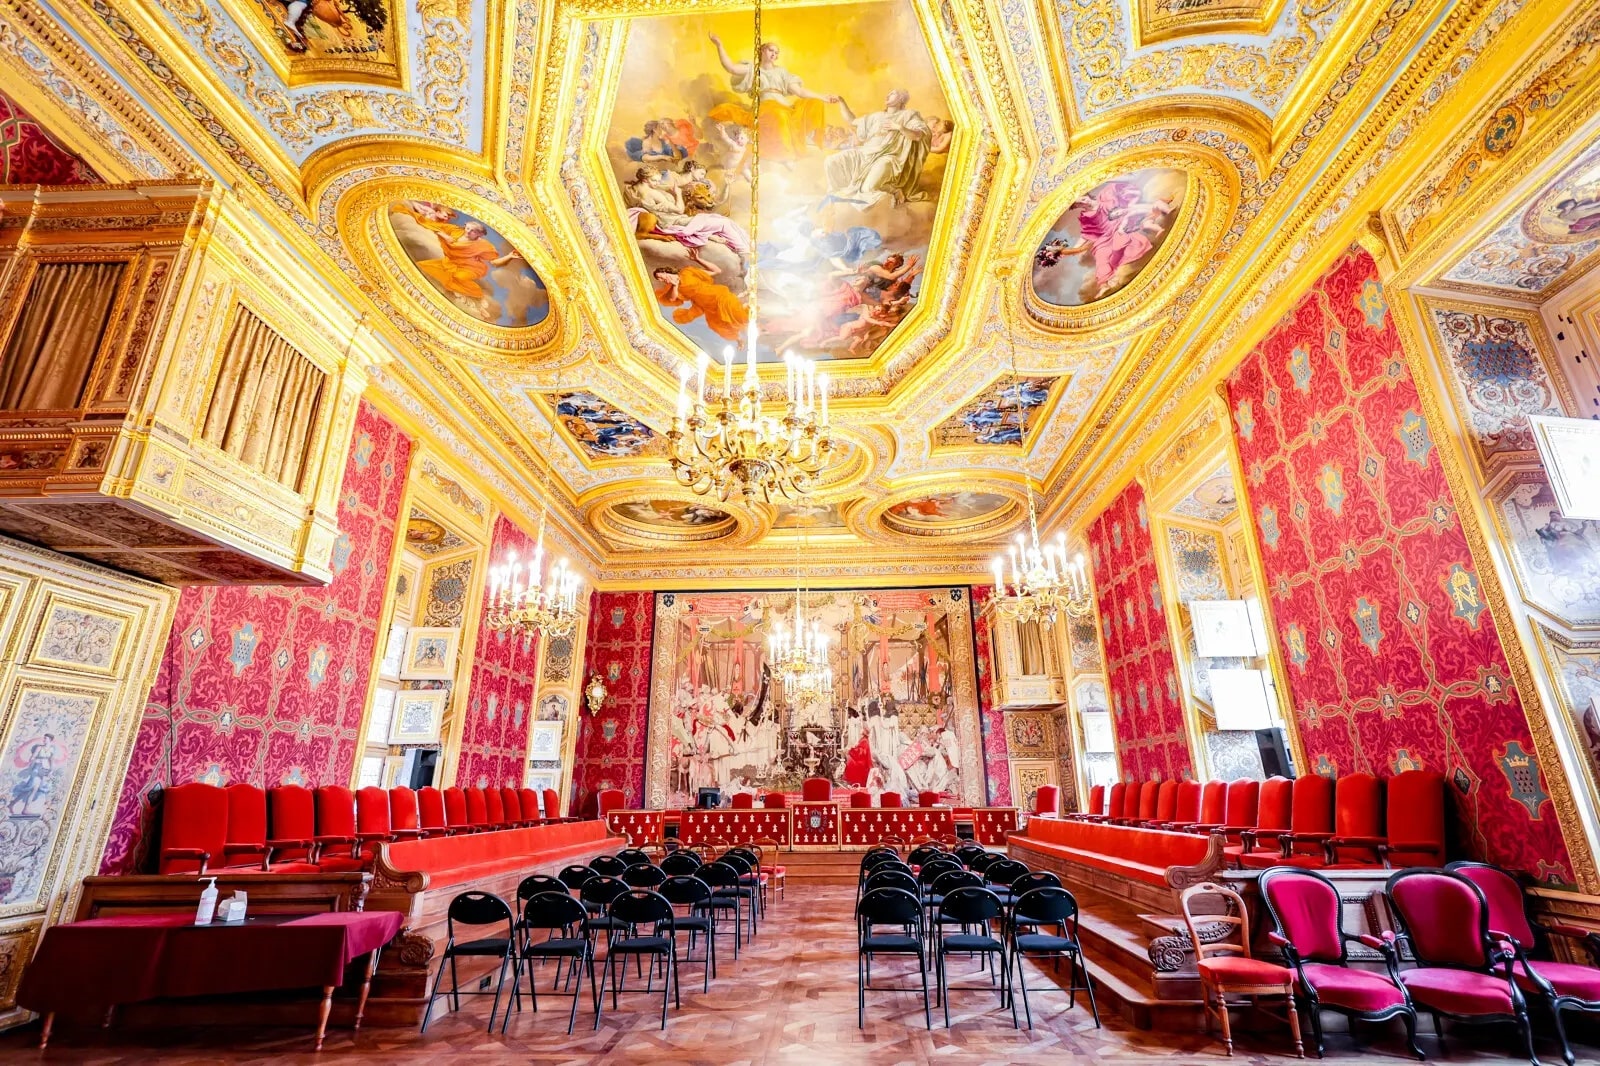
x: 1392, y: 655
x: 611, y: 744
x: 494, y: 735
x: 1146, y: 706
x: 267, y: 684
x: 30, y: 156
x: 996, y: 766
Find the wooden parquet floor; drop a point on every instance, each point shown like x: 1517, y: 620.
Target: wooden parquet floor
x: 788, y: 1000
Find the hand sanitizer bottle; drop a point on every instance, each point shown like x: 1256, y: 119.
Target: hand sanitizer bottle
x: 208, y: 904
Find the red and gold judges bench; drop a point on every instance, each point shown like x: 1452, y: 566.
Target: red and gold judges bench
x: 826, y: 825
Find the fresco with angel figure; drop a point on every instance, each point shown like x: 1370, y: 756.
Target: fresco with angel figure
x: 853, y: 140
x: 902, y: 715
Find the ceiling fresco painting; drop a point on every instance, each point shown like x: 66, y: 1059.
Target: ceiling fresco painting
x: 807, y: 515
x: 1107, y: 236
x: 468, y: 264
x: 604, y: 431
x: 1213, y: 500
x: 328, y: 39
x: 999, y: 416
x: 672, y: 514
x: 854, y: 136
x: 947, y: 508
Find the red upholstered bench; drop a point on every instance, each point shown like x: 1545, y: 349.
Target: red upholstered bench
x: 1140, y: 861
x: 455, y: 860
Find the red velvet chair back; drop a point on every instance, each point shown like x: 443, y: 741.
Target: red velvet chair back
x: 336, y: 811
x: 403, y: 814
x: 194, y: 816
x: 1188, y: 806
x: 1149, y: 798
x: 1119, y: 790
x: 247, y: 821
x: 477, y: 807
x: 927, y: 798
x: 860, y: 799
x: 1276, y: 807
x: 291, y: 815
x: 494, y: 807
x: 1312, y: 811
x: 1444, y: 917
x: 743, y: 801
x: 1213, y: 803
x: 1416, y: 820
x: 610, y: 799
x: 1306, y: 907
x: 1167, y: 801
x: 1097, y: 800
x: 430, y: 809
x: 891, y: 799
x: 372, y: 810
x: 1243, y: 798
x: 455, y: 808
x: 1507, y: 908
x: 1045, y: 801
x: 1357, y: 812
x: 528, y: 800
x: 512, y: 804
x: 552, y: 803
x: 816, y: 789
x: 775, y: 799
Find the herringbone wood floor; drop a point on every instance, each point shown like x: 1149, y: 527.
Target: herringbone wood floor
x: 790, y: 999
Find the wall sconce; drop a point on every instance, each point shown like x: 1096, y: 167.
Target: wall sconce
x: 594, y: 694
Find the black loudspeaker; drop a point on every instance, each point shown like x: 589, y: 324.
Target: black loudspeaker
x: 1275, y: 761
x: 424, y: 763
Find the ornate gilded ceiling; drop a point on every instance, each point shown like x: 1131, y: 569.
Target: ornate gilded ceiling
x: 1019, y: 232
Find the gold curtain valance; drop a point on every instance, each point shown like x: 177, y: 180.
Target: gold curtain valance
x: 263, y: 410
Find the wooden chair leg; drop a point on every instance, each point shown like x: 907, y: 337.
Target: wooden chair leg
x: 1294, y: 1025
x: 1227, y: 1025
x: 44, y: 1033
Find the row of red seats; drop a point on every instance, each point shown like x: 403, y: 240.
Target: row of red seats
x: 1358, y: 820
x: 611, y: 799
x: 294, y: 829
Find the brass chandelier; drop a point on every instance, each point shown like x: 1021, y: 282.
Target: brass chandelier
x: 1043, y: 584
x: 798, y: 654
x: 733, y: 443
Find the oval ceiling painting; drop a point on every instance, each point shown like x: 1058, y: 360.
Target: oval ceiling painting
x: 469, y: 264
x: 674, y: 515
x: 853, y: 135
x: 938, y: 511
x: 1107, y: 236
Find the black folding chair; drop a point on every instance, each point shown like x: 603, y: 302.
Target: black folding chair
x: 1048, y: 907
x: 982, y: 860
x: 596, y: 896
x: 562, y: 918
x: 724, y: 882
x: 749, y: 883
x: 475, y: 909
x: 924, y: 852
x: 969, y: 853
x: 607, y: 865
x: 574, y: 877
x: 1001, y: 874
x: 1027, y: 883
x: 631, y: 911
x: 692, y: 893
x: 930, y: 872
x: 934, y: 904
x: 680, y: 864
x: 644, y: 876
x: 971, y: 906
x: 891, y: 907
x: 891, y: 878
x: 534, y: 884
x: 634, y: 857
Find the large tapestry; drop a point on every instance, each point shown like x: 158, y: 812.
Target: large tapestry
x: 996, y: 759
x: 505, y: 669
x: 610, y: 747
x: 265, y: 683
x: 1146, y: 707
x: 902, y: 715
x: 1392, y: 655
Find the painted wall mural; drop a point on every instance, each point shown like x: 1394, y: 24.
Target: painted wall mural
x: 267, y: 684
x: 1392, y: 656
x: 322, y: 40
x: 996, y: 759
x: 610, y: 747
x: 902, y: 715
x: 39, y: 763
x: 997, y: 415
x: 1557, y: 559
x: 1146, y: 706
x: 1499, y: 380
x: 505, y: 669
x: 1107, y: 236
x: 469, y: 264
x: 853, y: 142
x: 30, y: 155
x: 604, y: 431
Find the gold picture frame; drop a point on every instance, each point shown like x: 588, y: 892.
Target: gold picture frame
x: 431, y: 653
x: 417, y: 716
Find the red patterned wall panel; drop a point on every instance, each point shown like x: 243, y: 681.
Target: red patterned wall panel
x: 30, y: 156
x: 1146, y: 706
x: 494, y: 733
x: 266, y: 683
x: 611, y: 744
x: 1393, y: 658
x: 995, y: 765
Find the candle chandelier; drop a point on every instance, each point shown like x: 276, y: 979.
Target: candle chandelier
x: 1043, y: 584
x: 798, y: 653
x: 733, y: 443
x: 523, y: 598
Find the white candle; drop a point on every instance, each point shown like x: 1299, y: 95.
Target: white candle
x: 727, y: 371
x: 700, y: 387
x: 824, y: 399
x: 999, y: 576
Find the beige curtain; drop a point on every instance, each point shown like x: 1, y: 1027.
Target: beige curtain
x: 264, y: 409
x: 51, y: 351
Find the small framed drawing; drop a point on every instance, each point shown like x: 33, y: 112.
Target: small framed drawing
x: 417, y: 714
x: 393, y: 769
x: 394, y: 653
x: 546, y: 745
x: 431, y: 653
x: 539, y: 780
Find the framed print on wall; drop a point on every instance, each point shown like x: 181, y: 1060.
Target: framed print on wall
x: 431, y: 653
x: 543, y: 779
x: 546, y: 745
x: 417, y: 714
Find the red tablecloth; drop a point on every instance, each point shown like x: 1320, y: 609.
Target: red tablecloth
x: 865, y: 826
x: 741, y: 826
x: 816, y: 825
x: 640, y: 827
x: 108, y: 961
x: 991, y: 824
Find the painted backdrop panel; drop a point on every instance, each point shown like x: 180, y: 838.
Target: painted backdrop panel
x: 610, y: 746
x: 1393, y: 659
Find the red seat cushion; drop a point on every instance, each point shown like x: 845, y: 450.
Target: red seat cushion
x: 1238, y: 970
x: 1342, y: 986
x: 1567, y: 978
x: 1465, y: 992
